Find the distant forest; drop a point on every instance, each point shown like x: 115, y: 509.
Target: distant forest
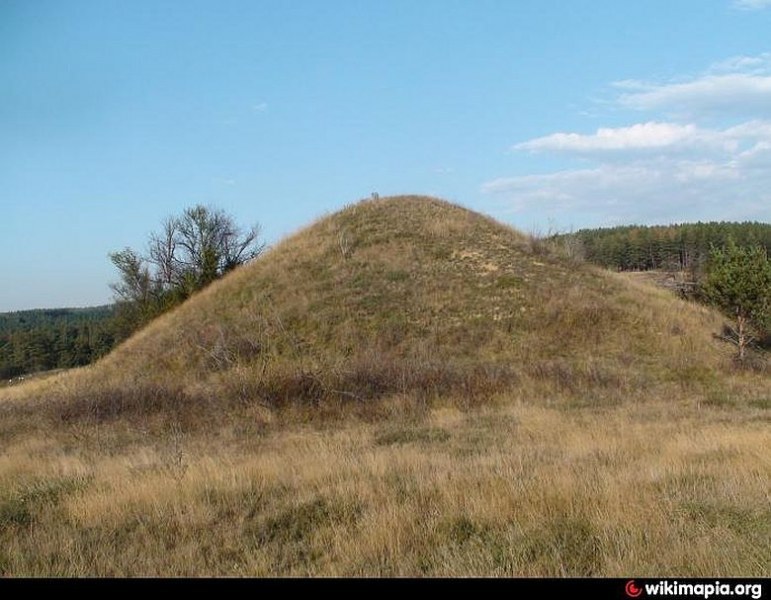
x: 41, y: 340
x: 670, y: 247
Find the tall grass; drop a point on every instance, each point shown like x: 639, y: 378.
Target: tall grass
x: 514, y: 489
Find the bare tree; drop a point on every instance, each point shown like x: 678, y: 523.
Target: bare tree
x: 135, y: 284
x: 188, y: 253
x: 161, y: 252
x: 207, y: 244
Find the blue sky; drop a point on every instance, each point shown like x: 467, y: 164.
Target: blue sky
x: 546, y: 114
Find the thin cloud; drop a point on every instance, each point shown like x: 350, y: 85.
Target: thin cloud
x: 642, y: 136
x: 753, y: 65
x: 734, y: 185
x: 653, y: 138
x: 224, y: 181
x: 751, y: 4
x: 652, y: 191
x: 727, y: 94
x: 736, y: 85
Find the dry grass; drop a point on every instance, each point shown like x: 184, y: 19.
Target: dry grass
x: 651, y: 489
x: 403, y: 388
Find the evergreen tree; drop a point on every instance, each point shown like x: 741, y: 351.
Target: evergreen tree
x: 738, y: 281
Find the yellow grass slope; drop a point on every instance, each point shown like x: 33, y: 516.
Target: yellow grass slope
x: 405, y: 295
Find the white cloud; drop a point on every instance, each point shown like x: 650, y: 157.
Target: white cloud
x: 750, y: 130
x: 757, y: 159
x: 752, y: 4
x: 654, y: 139
x: 735, y: 93
x: 565, y: 190
x: 260, y: 107
x: 734, y: 184
x: 694, y: 171
x: 648, y: 191
x: 737, y: 85
x: 758, y: 65
x: 642, y: 136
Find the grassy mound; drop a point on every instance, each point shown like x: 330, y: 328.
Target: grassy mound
x: 402, y: 296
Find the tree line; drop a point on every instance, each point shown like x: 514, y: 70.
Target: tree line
x: 41, y: 340
x: 684, y: 247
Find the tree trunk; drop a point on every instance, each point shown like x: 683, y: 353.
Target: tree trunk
x: 742, y: 331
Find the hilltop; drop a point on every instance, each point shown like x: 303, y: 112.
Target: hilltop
x: 406, y: 295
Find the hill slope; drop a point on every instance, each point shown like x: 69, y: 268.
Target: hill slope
x: 406, y: 295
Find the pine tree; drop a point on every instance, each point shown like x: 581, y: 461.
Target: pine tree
x: 738, y: 281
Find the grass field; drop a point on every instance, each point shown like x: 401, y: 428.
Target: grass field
x: 651, y: 488
x: 404, y: 388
